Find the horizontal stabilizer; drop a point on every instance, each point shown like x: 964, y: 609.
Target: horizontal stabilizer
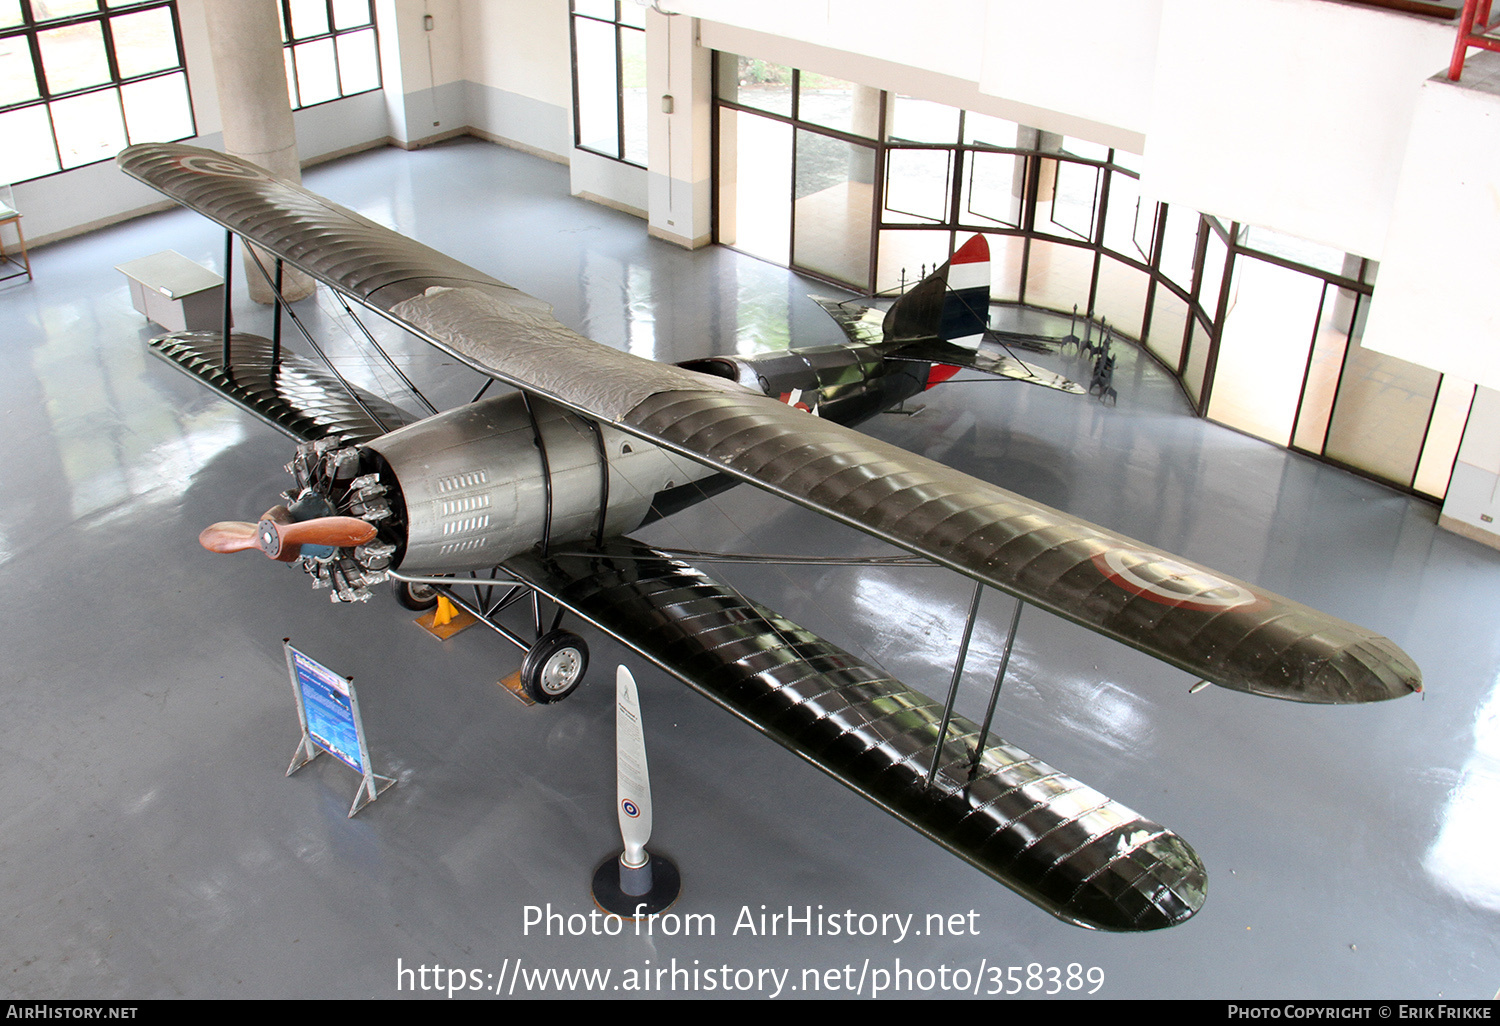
x: 988, y: 360
x: 860, y: 321
x: 1083, y: 857
x: 292, y: 394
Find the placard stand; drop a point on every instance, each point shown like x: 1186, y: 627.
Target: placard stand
x: 328, y: 710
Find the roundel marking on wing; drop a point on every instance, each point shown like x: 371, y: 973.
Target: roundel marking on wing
x: 630, y: 809
x: 1169, y: 582
x: 212, y: 165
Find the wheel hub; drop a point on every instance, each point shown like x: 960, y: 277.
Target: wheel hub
x: 560, y: 672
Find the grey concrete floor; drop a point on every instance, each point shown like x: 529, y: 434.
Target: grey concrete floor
x: 150, y: 845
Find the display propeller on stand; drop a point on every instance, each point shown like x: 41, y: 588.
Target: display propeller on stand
x: 635, y: 882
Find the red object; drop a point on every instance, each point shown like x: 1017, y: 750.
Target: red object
x: 1476, y: 14
x: 941, y: 372
x: 975, y: 251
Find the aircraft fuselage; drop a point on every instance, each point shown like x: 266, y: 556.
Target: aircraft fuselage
x: 471, y: 487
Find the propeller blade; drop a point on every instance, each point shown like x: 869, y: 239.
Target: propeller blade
x: 632, y: 780
x: 340, y: 532
x: 281, y: 538
x: 229, y: 536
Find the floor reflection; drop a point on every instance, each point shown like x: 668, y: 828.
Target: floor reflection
x: 1465, y: 856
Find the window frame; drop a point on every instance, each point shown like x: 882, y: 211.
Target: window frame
x: 31, y: 29
x: 619, y: 27
x: 288, y: 42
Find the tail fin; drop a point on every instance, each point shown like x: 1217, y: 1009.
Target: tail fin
x: 951, y: 302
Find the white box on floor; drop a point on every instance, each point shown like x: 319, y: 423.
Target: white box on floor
x: 175, y: 292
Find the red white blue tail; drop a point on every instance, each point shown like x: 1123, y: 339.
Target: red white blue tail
x: 941, y: 323
x: 951, y: 302
x: 938, y: 324
x: 966, y: 304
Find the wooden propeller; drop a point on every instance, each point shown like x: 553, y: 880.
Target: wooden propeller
x: 281, y: 538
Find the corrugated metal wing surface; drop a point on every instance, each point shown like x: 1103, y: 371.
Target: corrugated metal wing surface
x: 1080, y: 855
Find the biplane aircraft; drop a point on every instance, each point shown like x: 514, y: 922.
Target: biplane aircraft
x: 534, y: 493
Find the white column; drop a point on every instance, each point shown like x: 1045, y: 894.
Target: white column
x: 679, y: 142
x: 245, y: 39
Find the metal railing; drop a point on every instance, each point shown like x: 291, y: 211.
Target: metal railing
x: 1473, y: 30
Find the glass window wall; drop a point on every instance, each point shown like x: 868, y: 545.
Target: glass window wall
x: 753, y: 213
x: 994, y: 190
x: 331, y: 49
x: 832, y: 206
x: 875, y: 190
x: 1263, y: 348
x: 1169, y: 315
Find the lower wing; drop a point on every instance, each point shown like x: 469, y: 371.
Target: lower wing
x: 1078, y: 854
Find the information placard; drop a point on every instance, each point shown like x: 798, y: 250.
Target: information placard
x: 329, y: 711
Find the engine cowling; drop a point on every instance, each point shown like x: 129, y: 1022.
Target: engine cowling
x: 470, y: 488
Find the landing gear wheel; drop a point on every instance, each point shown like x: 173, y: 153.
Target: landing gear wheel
x: 554, y: 666
x: 415, y: 596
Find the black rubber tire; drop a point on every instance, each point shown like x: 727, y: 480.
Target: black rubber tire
x: 554, y: 667
x: 417, y: 597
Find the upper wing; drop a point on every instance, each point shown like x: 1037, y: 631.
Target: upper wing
x: 1217, y: 628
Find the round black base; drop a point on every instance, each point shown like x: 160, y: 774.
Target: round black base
x: 666, y: 884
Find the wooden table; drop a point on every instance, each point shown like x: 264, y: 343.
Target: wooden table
x: 9, y: 216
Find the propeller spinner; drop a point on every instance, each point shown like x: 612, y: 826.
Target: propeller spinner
x: 281, y: 538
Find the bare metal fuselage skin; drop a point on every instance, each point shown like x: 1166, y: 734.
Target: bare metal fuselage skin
x: 477, y: 488
x: 484, y: 482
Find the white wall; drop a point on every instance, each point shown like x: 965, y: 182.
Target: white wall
x: 516, y: 46
x: 939, y: 85
x: 944, y: 36
x: 421, y: 71
x: 1092, y: 59
x: 1290, y: 114
x: 1472, y: 507
x: 680, y: 179
x: 518, y: 72
x: 1434, y: 301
